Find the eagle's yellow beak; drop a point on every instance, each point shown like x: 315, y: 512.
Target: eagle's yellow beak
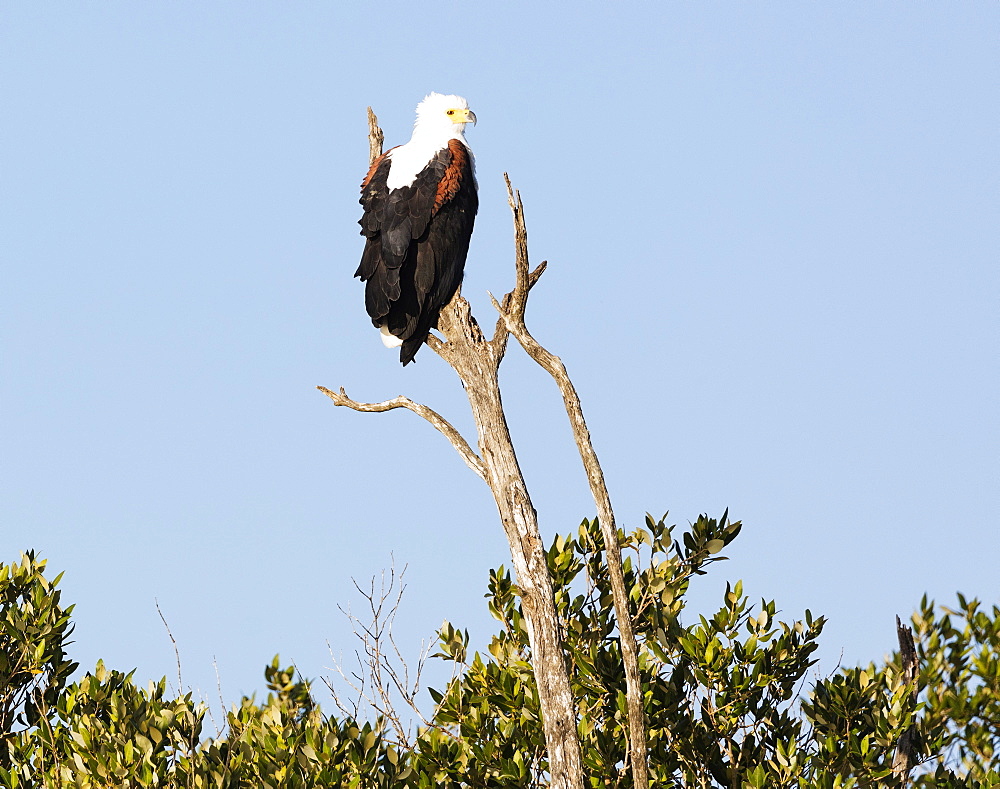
x: 462, y: 116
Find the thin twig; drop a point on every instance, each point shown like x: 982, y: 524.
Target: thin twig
x: 444, y: 427
x: 177, y: 654
x: 348, y: 712
x: 211, y: 715
x: 218, y: 688
x: 380, y: 673
x: 191, y: 740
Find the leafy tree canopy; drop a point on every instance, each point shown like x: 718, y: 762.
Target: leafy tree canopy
x: 729, y: 698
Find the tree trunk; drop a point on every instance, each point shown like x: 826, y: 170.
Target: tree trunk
x: 474, y: 359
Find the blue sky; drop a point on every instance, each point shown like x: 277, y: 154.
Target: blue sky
x: 773, y: 247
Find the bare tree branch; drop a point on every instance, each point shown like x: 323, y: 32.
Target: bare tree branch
x: 353, y: 710
x: 177, y: 653
x: 461, y: 445
x: 512, y: 315
x: 382, y: 669
x: 191, y: 740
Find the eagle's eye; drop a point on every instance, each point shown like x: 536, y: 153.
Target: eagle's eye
x: 451, y: 112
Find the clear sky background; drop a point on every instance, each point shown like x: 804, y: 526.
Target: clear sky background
x: 772, y: 231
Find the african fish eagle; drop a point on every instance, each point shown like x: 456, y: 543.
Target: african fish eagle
x: 420, y: 203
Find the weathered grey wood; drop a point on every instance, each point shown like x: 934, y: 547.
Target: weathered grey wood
x: 476, y: 362
x: 461, y: 445
x: 375, y: 137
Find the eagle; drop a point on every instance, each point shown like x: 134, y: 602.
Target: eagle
x: 420, y: 201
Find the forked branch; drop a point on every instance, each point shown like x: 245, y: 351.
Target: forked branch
x: 383, y: 670
x: 516, y: 302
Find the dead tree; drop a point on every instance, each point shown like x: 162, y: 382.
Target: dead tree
x: 476, y: 360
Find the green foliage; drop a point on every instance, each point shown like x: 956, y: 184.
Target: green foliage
x: 719, y: 693
x: 105, y: 731
x: 729, y: 698
x: 959, y: 654
x: 34, y: 629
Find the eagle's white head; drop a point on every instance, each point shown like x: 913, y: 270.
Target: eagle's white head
x: 439, y: 119
x: 441, y: 115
